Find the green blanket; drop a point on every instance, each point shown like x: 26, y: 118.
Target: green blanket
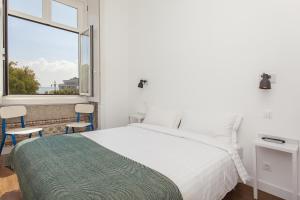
x: 72, y: 167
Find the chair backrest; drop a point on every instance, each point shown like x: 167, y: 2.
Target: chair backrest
x: 12, y: 112
x: 84, y: 108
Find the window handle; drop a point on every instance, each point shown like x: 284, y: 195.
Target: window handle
x: 3, y: 54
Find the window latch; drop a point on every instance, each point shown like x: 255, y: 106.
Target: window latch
x: 3, y: 55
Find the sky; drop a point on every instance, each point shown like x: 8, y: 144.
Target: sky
x: 32, y: 7
x: 52, y: 53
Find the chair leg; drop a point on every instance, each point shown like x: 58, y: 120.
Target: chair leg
x: 14, y: 141
x: 67, y: 130
x: 40, y: 133
x: 30, y: 135
x: 73, y: 129
x: 2, y: 143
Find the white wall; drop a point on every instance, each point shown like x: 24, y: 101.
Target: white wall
x: 209, y: 55
x: 114, y: 63
x: 94, y: 19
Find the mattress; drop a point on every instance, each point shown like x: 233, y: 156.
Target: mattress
x: 202, y: 170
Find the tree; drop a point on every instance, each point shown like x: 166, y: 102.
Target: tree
x: 22, y: 80
x: 66, y: 91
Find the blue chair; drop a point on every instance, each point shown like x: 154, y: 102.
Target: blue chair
x: 14, y: 112
x: 82, y: 109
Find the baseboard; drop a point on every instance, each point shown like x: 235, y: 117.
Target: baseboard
x: 4, y: 156
x: 272, y: 189
x: 6, y: 150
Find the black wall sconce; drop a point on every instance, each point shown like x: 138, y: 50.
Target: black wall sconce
x: 142, y: 83
x: 265, y: 83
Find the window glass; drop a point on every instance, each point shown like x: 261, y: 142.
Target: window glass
x: 30, y: 7
x: 85, y: 63
x: 64, y: 14
x: 42, y: 59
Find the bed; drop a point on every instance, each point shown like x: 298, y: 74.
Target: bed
x: 138, y: 161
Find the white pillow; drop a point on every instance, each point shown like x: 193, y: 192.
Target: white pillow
x: 223, y: 126
x: 161, y: 117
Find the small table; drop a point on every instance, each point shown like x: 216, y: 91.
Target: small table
x: 291, y: 146
x: 136, y: 118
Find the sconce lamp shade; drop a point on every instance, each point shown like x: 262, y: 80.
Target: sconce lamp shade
x: 142, y: 83
x: 265, y: 83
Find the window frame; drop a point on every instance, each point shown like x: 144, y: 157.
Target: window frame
x: 90, y: 92
x: 46, y: 19
x: 2, y: 40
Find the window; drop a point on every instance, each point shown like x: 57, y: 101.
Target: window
x: 44, y: 48
x: 64, y: 14
x: 30, y: 7
x: 86, y: 62
x: 50, y: 56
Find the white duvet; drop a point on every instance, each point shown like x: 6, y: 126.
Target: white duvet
x: 201, y: 168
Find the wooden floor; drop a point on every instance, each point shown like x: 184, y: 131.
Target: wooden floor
x: 9, y: 189
x: 9, y: 186
x: 244, y: 192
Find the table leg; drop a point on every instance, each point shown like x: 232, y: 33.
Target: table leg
x: 255, y: 195
x: 295, y: 175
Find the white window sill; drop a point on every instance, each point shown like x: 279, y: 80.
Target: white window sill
x: 42, y: 100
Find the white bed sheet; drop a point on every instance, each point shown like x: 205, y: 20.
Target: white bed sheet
x: 201, y: 171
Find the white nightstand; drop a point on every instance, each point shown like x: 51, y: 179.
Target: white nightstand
x: 136, y: 118
x: 291, y: 146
